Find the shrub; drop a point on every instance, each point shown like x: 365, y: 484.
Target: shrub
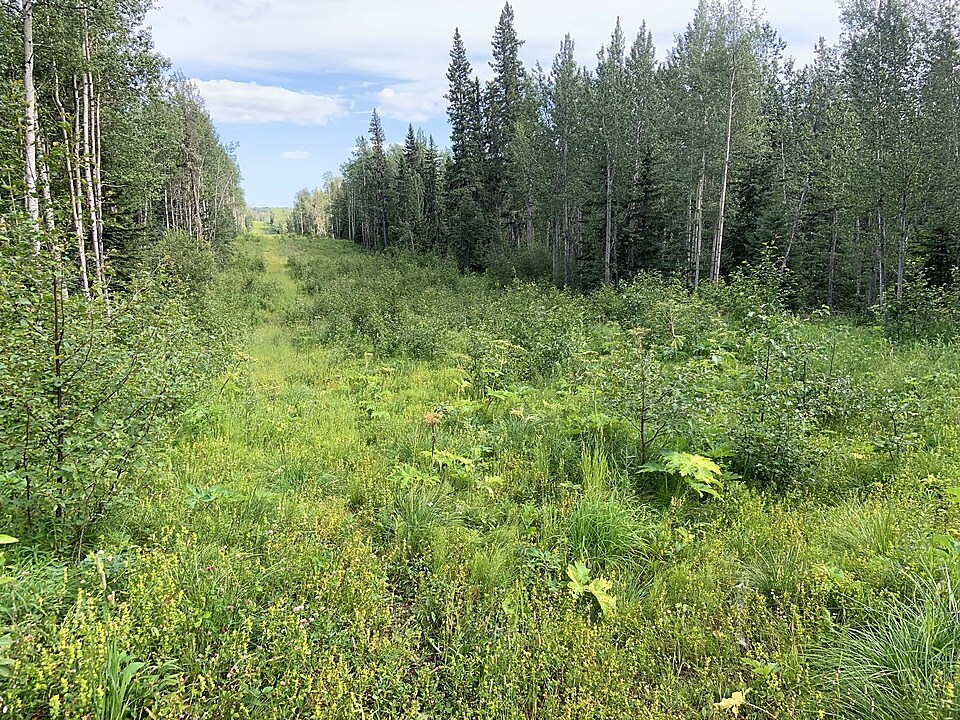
x: 85, y: 385
x: 925, y: 312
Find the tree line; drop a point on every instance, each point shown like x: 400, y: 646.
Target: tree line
x: 842, y: 176
x: 118, y: 200
x: 110, y: 148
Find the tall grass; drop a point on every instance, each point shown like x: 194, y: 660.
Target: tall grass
x: 901, y: 661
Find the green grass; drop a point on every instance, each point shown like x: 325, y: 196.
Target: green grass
x: 372, y: 513
x: 901, y: 661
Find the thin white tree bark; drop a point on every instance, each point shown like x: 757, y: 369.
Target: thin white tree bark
x: 74, y: 182
x: 796, y: 223
x: 87, y: 162
x: 31, y: 201
x: 697, y: 245
x: 49, y: 219
x: 721, y: 211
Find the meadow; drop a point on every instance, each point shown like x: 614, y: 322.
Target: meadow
x: 420, y: 494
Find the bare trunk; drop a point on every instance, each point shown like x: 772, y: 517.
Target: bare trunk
x: 97, y: 163
x: 858, y: 291
x: 351, y: 209
x: 697, y: 244
x: 567, y: 218
x: 721, y: 212
x: 197, y: 181
x: 166, y: 207
x: 881, y: 250
x: 31, y: 201
x: 49, y: 220
x: 529, y: 212
x: 87, y: 162
x: 555, y: 250
x: 796, y: 223
x: 608, y: 243
x: 567, y: 243
x: 71, y: 153
x: 832, y: 258
x: 689, y: 225
x: 902, y: 248
x: 383, y: 217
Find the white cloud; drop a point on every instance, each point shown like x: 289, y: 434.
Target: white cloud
x: 296, y: 155
x: 410, y: 41
x: 397, y: 103
x: 249, y: 103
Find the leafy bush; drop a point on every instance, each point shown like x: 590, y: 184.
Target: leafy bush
x: 85, y: 385
x: 925, y: 312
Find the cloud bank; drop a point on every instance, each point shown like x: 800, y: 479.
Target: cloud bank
x: 410, y: 41
x: 249, y: 103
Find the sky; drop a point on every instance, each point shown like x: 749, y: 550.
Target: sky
x: 291, y: 84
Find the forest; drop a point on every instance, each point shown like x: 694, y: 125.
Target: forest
x: 638, y: 399
x: 844, y: 172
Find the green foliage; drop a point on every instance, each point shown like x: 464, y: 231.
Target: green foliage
x: 598, y: 588
x: 416, y: 513
x: 924, y: 312
x: 396, y: 535
x: 697, y: 473
x: 87, y: 387
x: 901, y: 660
x: 608, y: 532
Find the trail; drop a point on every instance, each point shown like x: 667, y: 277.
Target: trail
x: 283, y: 416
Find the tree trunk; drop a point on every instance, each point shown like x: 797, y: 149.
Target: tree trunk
x: 608, y: 242
x: 529, y: 210
x: 31, y: 201
x: 881, y: 250
x: 858, y: 240
x: 721, y: 212
x: 49, y: 220
x: 71, y: 153
x: 796, y: 223
x: 902, y: 248
x: 832, y: 258
x: 689, y: 228
x: 97, y: 162
x: 98, y: 259
x: 697, y: 243
x: 567, y: 243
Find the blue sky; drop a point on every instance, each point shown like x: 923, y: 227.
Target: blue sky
x: 292, y: 83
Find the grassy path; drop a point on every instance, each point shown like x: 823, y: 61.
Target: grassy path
x: 262, y: 578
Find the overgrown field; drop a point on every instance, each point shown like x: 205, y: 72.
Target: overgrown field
x: 422, y: 495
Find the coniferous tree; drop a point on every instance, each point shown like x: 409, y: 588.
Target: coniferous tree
x: 466, y: 220
x: 380, y: 176
x: 844, y: 173
x: 506, y: 122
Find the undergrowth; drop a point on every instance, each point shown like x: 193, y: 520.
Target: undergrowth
x: 422, y: 494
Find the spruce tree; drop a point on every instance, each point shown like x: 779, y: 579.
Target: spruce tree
x: 380, y: 177
x: 466, y: 220
x: 504, y: 117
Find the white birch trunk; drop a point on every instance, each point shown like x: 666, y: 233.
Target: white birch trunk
x: 721, y: 212
x: 31, y: 201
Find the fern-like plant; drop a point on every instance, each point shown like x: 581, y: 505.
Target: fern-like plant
x: 696, y: 472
